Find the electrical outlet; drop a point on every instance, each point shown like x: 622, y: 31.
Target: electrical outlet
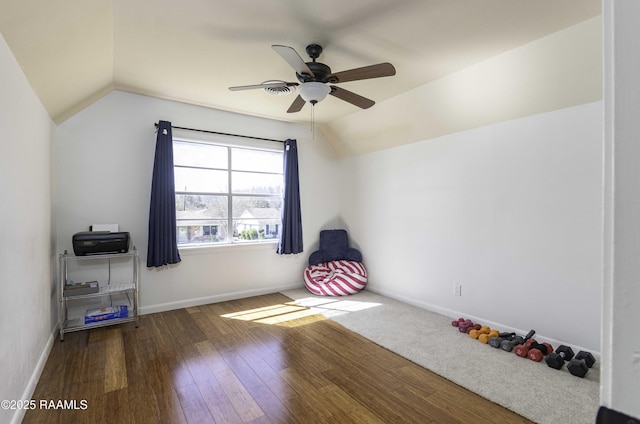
x: 457, y: 289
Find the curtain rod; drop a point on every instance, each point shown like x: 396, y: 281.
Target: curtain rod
x: 221, y: 133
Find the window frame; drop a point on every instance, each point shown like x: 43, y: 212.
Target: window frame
x: 229, y: 145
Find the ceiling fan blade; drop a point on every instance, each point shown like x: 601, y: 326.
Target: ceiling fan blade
x: 263, y: 85
x: 373, y: 71
x: 351, y: 97
x: 293, y: 58
x: 297, y: 105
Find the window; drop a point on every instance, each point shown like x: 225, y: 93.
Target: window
x: 226, y: 194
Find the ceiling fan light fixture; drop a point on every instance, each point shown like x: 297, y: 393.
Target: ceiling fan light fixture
x: 314, y: 92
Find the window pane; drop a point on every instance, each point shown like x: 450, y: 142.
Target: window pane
x: 205, y: 183
x: 202, y: 232
x: 257, y: 208
x: 201, y: 207
x: 200, y: 180
x: 256, y: 160
x: 251, y: 230
x: 248, y: 182
x: 199, y: 155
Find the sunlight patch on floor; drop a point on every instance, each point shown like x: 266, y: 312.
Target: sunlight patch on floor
x: 301, y: 311
x: 330, y: 306
x: 279, y: 314
x: 280, y: 319
x: 261, y: 313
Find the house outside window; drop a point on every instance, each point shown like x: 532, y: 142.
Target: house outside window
x: 227, y: 194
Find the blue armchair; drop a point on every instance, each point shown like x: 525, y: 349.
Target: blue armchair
x: 334, y: 246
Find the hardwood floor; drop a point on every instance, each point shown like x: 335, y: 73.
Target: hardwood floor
x: 256, y: 360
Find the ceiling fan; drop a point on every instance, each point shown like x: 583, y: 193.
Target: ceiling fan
x: 315, y: 78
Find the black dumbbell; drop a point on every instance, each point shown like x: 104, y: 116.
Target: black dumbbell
x: 508, y: 345
x: 557, y: 359
x: 579, y: 365
x: 497, y: 341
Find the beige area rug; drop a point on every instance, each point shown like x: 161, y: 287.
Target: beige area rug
x: 531, y: 389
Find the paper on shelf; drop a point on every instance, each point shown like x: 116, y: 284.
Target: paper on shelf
x: 102, y: 314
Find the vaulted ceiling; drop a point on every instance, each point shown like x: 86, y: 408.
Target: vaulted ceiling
x: 76, y: 51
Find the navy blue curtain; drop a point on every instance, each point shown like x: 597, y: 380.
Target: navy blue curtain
x: 291, y: 235
x: 163, y: 245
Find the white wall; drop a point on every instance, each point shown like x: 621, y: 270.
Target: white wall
x: 105, y: 160
x: 511, y: 211
x: 27, y: 292
x: 621, y: 294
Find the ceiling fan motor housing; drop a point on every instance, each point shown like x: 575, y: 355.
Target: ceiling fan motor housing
x: 320, y: 72
x: 314, y: 51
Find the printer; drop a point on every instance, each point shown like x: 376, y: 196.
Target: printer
x: 100, y: 243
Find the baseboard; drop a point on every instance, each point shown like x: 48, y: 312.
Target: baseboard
x: 456, y: 314
x: 35, y: 376
x: 187, y: 303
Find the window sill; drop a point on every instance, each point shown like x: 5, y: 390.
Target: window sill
x: 211, y: 248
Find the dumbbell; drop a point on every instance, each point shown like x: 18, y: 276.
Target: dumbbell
x: 522, y: 350
x: 469, y: 327
x: 557, y: 359
x: 474, y: 334
x: 508, y: 345
x: 484, y: 338
x: 474, y: 327
x: 457, y: 322
x: 496, y: 341
x: 579, y: 365
x: 537, y: 351
x: 463, y: 326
